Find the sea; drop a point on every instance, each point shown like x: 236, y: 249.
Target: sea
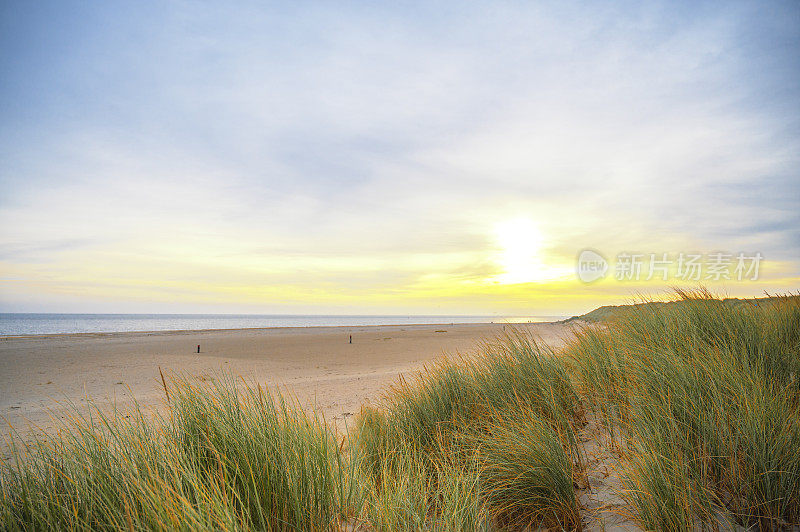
x: 14, y: 324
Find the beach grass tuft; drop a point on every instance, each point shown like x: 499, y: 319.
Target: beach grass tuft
x: 226, y: 456
x: 502, y: 423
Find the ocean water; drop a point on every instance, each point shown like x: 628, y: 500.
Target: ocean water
x: 33, y: 324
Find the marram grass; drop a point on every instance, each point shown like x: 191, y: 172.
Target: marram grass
x: 706, y: 397
x: 225, y: 457
x: 502, y: 424
x: 473, y: 445
x: 703, y: 398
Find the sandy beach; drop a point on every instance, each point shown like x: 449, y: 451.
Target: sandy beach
x: 40, y: 375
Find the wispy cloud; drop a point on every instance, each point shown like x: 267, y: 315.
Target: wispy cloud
x: 312, y: 149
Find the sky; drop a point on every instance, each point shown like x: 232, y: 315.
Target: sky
x: 392, y: 157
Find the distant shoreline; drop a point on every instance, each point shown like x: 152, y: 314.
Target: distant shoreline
x: 52, y: 324
x: 316, y: 328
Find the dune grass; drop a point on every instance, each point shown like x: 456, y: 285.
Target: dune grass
x: 705, y: 398
x: 415, y: 493
x: 470, y: 445
x: 503, y: 424
x: 702, y: 401
x: 225, y: 457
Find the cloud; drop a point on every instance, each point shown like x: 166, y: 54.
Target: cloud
x: 392, y: 138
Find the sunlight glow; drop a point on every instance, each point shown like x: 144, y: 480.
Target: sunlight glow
x: 520, y: 242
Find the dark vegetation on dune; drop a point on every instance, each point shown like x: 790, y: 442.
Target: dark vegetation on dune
x: 700, y: 399
x: 610, y: 312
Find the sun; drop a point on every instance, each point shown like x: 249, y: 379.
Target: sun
x: 519, y: 242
